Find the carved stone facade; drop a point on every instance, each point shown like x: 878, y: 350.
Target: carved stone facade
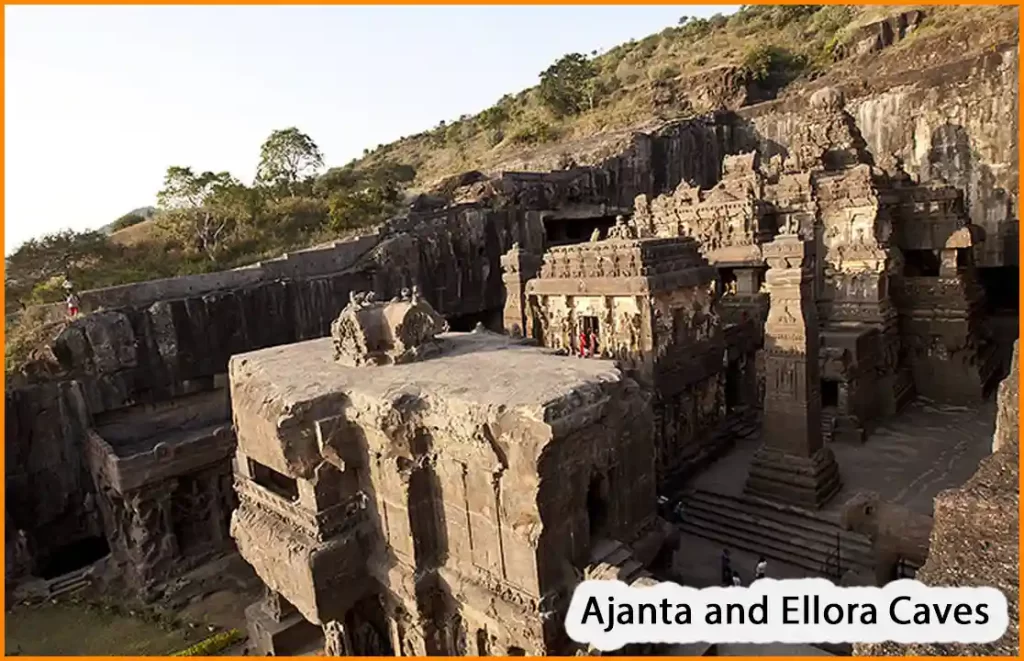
x: 887, y: 331
x: 649, y: 305
x: 165, y: 501
x: 518, y: 267
x: 445, y: 507
x: 793, y: 464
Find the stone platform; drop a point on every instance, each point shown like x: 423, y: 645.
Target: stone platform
x: 907, y: 460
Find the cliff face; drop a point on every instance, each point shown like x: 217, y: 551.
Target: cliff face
x: 154, y: 351
x: 976, y: 534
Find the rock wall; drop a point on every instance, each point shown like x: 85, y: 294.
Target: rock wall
x: 975, y: 538
x: 150, y: 352
x: 956, y: 122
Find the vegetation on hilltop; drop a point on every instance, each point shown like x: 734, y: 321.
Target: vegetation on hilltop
x: 210, y: 221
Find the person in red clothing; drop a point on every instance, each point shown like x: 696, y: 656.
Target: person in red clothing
x: 583, y: 343
x: 72, y: 305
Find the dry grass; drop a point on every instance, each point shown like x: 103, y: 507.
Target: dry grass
x: 633, y: 70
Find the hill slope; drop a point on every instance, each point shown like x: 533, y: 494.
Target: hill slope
x: 759, y: 53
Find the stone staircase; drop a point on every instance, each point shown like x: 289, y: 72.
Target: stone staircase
x: 828, y: 422
x: 784, y: 533
x: 611, y: 560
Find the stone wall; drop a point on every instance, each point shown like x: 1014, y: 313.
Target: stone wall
x: 153, y: 351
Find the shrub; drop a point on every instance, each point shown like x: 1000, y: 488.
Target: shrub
x: 213, y: 644
x: 770, y: 64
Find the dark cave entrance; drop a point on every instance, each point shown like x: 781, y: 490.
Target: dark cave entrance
x: 492, y: 319
x: 1002, y: 310
x: 597, y: 506
x: 72, y: 557
x: 921, y: 263
x: 733, y: 376
x: 829, y: 394
x: 564, y: 231
x: 1002, y: 289
x: 726, y: 279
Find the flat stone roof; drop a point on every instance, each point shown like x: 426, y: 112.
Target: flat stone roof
x: 482, y: 369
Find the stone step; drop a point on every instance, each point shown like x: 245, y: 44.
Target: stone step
x: 780, y: 532
x: 603, y: 549
x: 815, y: 561
x: 758, y: 539
x: 785, y: 517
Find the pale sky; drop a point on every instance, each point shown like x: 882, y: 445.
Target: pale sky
x: 101, y: 100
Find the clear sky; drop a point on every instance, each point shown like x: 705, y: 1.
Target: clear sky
x: 101, y: 100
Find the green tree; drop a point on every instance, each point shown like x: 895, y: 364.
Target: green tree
x: 198, y: 207
x: 38, y: 263
x: 287, y: 157
x: 568, y: 86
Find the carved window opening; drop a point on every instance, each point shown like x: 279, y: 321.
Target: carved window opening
x: 483, y: 643
x: 72, y: 557
x: 597, y: 506
x: 829, y: 394
x: 921, y: 263
x: 516, y: 651
x: 277, y: 483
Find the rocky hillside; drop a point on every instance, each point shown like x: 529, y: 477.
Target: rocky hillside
x: 724, y: 63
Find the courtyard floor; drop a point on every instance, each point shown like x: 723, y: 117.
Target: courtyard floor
x: 908, y: 460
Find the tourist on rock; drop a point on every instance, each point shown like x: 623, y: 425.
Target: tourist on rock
x: 73, y: 305
x: 726, y: 568
x: 736, y: 579
x: 583, y: 344
x: 593, y: 343
x: 761, y: 569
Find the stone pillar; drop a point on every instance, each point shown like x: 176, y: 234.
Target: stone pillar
x: 519, y: 267
x: 334, y: 639
x: 277, y: 607
x: 793, y: 465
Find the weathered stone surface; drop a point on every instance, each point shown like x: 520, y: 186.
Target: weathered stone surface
x: 400, y: 331
x: 896, y: 532
x: 480, y: 479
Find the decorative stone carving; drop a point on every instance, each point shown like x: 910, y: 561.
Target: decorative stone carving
x: 370, y: 333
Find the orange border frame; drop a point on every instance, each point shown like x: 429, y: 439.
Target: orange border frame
x: 1020, y: 139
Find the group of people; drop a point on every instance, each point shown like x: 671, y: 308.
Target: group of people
x: 587, y: 347
x: 732, y: 577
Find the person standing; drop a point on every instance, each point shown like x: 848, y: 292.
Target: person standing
x: 736, y: 580
x: 761, y: 569
x: 593, y: 343
x: 73, y: 304
x: 583, y: 343
x: 726, y: 568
